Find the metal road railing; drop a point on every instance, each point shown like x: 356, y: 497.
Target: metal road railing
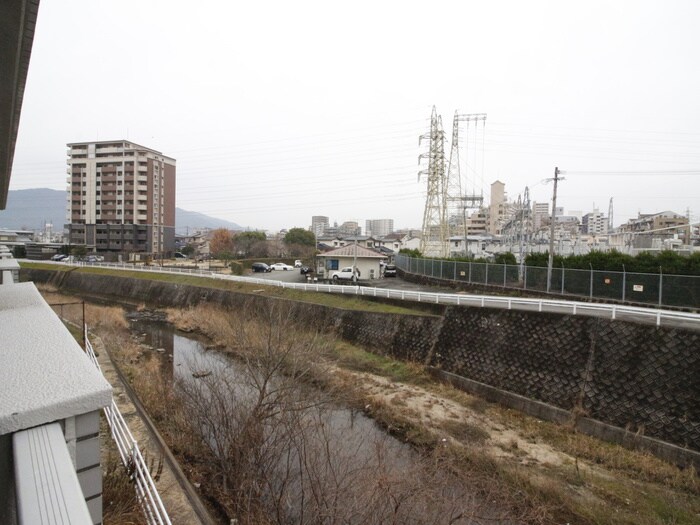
x: 131, y: 456
x: 654, y: 316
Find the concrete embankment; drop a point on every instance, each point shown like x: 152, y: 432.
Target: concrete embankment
x: 634, y: 384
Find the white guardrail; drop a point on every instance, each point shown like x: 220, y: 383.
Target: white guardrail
x: 637, y: 314
x: 131, y: 457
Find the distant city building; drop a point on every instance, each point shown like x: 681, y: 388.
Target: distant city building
x: 379, y: 227
x: 121, y: 198
x: 594, y: 223
x: 540, y: 214
x: 669, y: 221
x: 477, y: 223
x: 497, y: 207
x: 319, y: 224
x: 350, y: 228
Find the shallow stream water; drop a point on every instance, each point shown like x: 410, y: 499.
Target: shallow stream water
x: 342, y: 451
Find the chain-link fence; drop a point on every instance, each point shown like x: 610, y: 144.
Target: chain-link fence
x: 655, y: 289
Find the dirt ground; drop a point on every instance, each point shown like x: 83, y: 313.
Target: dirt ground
x: 590, y: 481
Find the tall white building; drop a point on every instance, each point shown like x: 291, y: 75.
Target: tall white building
x: 497, y: 207
x: 540, y: 214
x: 379, y: 227
x: 319, y: 224
x: 594, y: 223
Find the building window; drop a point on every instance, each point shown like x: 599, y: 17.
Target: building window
x: 332, y: 264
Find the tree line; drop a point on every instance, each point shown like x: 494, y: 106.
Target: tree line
x: 227, y: 245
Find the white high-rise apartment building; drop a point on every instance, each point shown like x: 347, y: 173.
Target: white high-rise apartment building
x: 319, y: 224
x: 379, y: 227
x: 540, y: 214
x: 121, y: 197
x: 594, y: 223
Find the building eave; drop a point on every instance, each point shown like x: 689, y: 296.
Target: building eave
x: 17, y: 23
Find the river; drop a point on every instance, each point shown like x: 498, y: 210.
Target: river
x: 315, y: 461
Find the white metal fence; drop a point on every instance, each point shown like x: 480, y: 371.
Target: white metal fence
x: 131, y: 456
x: 655, y: 316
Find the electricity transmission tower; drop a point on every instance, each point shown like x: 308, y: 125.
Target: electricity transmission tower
x: 434, y: 235
x: 456, y: 198
x: 517, y: 230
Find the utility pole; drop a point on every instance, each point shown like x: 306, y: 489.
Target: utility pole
x: 550, y: 263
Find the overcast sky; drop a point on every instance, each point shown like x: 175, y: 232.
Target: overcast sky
x: 277, y: 111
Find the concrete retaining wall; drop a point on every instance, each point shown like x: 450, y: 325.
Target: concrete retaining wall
x: 641, y: 379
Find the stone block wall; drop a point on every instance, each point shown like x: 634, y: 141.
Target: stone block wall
x: 638, y: 377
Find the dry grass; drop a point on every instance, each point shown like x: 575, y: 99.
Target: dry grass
x: 120, y: 506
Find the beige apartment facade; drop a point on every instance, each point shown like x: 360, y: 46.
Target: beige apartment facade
x: 121, y: 198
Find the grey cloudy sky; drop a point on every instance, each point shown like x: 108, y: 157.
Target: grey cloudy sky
x: 276, y: 111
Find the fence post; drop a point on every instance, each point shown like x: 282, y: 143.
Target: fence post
x: 661, y: 284
x: 524, y: 277
x: 624, y: 282
x: 562, y: 278
x: 486, y: 274
x: 470, y: 272
x: 590, y: 294
x: 432, y: 267
x: 84, y: 329
x: 504, y: 275
x: 454, y: 267
x: 441, y: 274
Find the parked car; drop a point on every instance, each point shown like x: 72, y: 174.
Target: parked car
x: 180, y: 255
x: 297, y: 264
x: 281, y: 266
x: 345, y: 274
x: 59, y: 257
x: 91, y: 259
x: 261, y: 267
x: 305, y: 270
x: 390, y: 270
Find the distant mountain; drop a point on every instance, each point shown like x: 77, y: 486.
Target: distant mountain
x: 191, y: 219
x: 30, y: 209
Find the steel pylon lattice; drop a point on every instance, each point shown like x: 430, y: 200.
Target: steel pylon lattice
x: 456, y: 197
x: 434, y: 233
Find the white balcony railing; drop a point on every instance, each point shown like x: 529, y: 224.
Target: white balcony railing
x: 131, y: 456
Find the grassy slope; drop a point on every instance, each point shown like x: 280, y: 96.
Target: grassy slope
x: 347, y: 302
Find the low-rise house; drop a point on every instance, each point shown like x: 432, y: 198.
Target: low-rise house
x: 366, y: 260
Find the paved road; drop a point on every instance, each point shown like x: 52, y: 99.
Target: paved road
x: 396, y: 283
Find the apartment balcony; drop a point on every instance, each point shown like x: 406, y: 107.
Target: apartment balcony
x: 9, y: 267
x: 51, y: 395
x: 104, y: 150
